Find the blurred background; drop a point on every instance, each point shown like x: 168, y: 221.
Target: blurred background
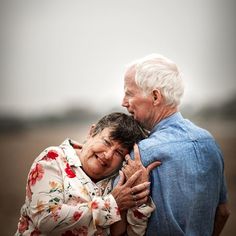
x: 62, y: 65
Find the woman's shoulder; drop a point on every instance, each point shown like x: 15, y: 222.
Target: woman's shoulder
x: 51, y: 153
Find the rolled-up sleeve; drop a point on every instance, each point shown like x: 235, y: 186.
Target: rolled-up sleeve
x: 137, y: 218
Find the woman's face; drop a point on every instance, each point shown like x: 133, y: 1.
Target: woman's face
x: 101, y: 156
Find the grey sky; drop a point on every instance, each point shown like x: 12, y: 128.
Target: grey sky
x: 60, y: 53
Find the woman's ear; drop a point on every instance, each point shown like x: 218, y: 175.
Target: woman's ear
x: 91, y: 130
x: 157, y: 96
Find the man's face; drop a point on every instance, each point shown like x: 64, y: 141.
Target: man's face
x: 136, y: 102
x: 101, y: 156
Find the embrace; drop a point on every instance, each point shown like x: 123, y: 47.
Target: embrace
x: 149, y: 173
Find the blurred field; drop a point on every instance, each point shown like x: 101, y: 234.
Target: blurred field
x: 18, y: 150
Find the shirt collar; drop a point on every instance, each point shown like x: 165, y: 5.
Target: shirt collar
x: 70, y: 153
x: 167, y: 121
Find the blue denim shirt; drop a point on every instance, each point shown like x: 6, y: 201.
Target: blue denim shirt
x: 189, y: 184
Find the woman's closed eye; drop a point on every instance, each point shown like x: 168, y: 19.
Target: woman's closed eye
x: 120, y: 153
x: 107, y: 142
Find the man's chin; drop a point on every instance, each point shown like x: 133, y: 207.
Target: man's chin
x: 143, y: 125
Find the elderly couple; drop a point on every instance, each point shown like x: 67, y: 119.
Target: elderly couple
x: 76, y: 189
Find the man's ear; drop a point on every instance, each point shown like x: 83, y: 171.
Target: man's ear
x: 157, y: 97
x: 91, y: 130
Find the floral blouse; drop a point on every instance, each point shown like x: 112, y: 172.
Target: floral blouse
x: 62, y: 200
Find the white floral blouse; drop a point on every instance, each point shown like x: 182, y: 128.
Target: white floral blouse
x: 62, y: 200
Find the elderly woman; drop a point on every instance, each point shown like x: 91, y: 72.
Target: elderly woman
x: 69, y: 187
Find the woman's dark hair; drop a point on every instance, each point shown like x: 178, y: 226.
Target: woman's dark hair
x: 125, y: 129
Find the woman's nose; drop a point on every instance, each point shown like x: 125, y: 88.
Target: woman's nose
x: 108, y: 153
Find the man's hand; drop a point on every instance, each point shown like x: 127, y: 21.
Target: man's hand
x: 127, y: 195
x: 133, y: 166
x: 222, y: 215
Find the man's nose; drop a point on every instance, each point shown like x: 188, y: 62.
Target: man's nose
x: 125, y: 102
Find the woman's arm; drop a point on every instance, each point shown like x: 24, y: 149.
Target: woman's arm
x: 136, y: 207
x: 119, y: 228
x: 134, y: 221
x: 137, y: 218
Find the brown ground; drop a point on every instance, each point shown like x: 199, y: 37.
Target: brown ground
x: 18, y: 150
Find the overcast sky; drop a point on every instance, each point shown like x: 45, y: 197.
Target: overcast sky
x: 56, y: 54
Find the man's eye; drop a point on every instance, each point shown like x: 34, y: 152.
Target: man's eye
x: 129, y: 93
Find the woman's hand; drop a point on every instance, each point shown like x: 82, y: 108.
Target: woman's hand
x: 127, y: 195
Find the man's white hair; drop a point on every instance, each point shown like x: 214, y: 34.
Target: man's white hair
x: 158, y: 72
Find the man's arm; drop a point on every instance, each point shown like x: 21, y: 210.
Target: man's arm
x: 222, y: 215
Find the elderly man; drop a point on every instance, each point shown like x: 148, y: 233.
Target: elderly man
x: 189, y: 188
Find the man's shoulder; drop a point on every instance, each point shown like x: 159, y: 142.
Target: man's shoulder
x: 154, y: 148
x: 171, y: 139
x: 181, y: 130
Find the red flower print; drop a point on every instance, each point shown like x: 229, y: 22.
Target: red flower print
x: 117, y: 211
x: 76, y: 145
x: 68, y: 233
x: 51, y: 155
x: 23, y: 224
x: 77, y: 215
x: 94, y: 205
x: 107, y: 205
x: 36, y: 232
x: 138, y: 214
x: 70, y: 173
x: 36, y: 174
x: 83, y: 231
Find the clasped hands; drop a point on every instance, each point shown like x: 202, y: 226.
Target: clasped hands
x: 132, y: 189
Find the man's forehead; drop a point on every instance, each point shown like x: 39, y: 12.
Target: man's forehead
x: 130, y: 72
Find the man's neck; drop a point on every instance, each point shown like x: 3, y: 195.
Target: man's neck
x: 165, y: 112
